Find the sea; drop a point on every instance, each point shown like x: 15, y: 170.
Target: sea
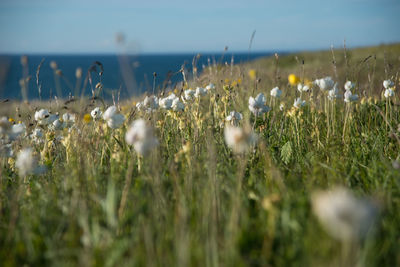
x: 122, y: 76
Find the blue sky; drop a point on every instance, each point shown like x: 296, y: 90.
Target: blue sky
x: 72, y: 26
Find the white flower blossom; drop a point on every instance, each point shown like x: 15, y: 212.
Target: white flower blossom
x: 388, y: 84
x: 27, y: 164
x: 96, y: 113
x: 349, y: 97
x: 275, y: 92
x: 17, y: 130
x: 69, y: 119
x: 166, y: 102
x: 37, y: 134
x: 349, y: 85
x: 149, y: 104
x: 200, y: 92
x: 177, y: 105
x: 42, y: 117
x: 334, y: 93
x: 257, y: 105
x: 116, y: 121
x: 302, y: 87
x: 113, y: 118
x: 344, y: 216
x: 325, y: 83
x: 210, y: 86
x: 188, y: 94
x: 140, y: 135
x: 58, y: 125
x: 234, y: 117
x: 111, y: 111
x: 389, y: 93
x: 238, y: 139
x: 298, y: 103
x: 53, y: 118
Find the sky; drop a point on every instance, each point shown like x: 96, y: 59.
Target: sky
x: 182, y: 26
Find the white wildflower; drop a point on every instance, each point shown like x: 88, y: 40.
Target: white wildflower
x: 238, y: 139
x: 113, y: 118
x: 302, y: 87
x: 334, y: 93
x: 188, y: 94
x: 116, y: 121
x: 42, y: 117
x: 37, y: 134
x: 344, y: 216
x: 69, y: 119
x: 27, y: 163
x: 177, y: 105
x: 388, y: 84
x: 210, y: 86
x: 58, y: 124
x: 140, y: 135
x: 149, y: 104
x: 234, y: 117
x: 53, y: 118
x: 298, y: 103
x: 325, y: 83
x: 349, y: 97
x: 17, y: 130
x: 349, y: 85
x: 275, y: 92
x: 257, y: 105
x: 166, y: 102
x: 111, y: 111
x: 200, y: 92
x: 389, y: 93
x: 96, y: 113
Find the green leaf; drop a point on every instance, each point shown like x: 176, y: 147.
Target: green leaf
x: 286, y: 152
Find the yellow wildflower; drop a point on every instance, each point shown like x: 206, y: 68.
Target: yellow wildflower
x: 293, y: 79
x: 252, y: 74
x: 87, y: 118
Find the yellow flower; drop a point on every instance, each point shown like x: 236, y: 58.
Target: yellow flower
x: 87, y: 118
x: 293, y: 79
x: 252, y: 74
x: 239, y: 81
x: 11, y: 120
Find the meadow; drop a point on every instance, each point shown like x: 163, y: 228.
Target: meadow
x: 286, y: 161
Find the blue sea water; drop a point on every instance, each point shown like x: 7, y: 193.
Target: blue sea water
x: 128, y: 75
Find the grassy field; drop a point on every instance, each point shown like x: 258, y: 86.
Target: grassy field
x: 313, y: 185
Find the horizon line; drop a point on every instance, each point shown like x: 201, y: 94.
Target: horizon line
x: 271, y: 51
